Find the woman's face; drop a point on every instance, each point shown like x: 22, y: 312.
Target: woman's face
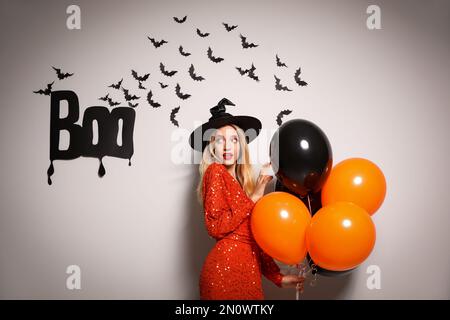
x: 227, y: 145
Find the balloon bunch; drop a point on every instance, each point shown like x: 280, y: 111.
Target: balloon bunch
x: 317, y: 211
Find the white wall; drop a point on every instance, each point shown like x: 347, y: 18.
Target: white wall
x: 138, y: 231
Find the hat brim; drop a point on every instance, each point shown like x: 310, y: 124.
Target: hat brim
x: 198, y: 141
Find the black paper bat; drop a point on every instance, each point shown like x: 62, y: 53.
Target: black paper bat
x: 139, y: 78
x: 281, y: 114
x: 173, y: 113
x: 251, y: 73
x: 47, y: 90
x: 179, y: 94
x: 279, y: 63
x: 183, y: 53
x: 299, y: 81
x: 155, y: 43
x: 133, y: 105
x: 212, y: 58
x: 128, y: 96
x: 229, y: 27
x: 193, y: 75
x: 105, y: 98
x: 164, y: 72
x: 117, y: 85
x: 62, y: 75
x: 202, y: 34
x: 180, y: 20
x: 246, y: 44
x: 163, y: 85
x: 154, y: 104
x: 112, y: 103
x: 141, y: 86
x: 279, y: 86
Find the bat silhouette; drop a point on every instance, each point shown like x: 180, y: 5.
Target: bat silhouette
x: 173, y: 113
x: 299, y: 81
x: 129, y: 97
x: 279, y: 86
x: 279, y: 63
x: 179, y: 94
x: 180, y: 20
x: 141, y: 86
x: 164, y: 72
x: 137, y: 77
x: 193, y: 75
x: 183, y: 53
x: 202, y: 34
x: 154, y: 104
x: 229, y: 27
x: 112, y: 103
x: 105, y: 98
x: 62, y: 75
x: 117, y: 85
x: 133, y: 105
x: 155, y: 43
x: 47, y: 90
x: 246, y: 44
x: 250, y: 72
x: 212, y: 58
x: 281, y: 114
x: 163, y: 85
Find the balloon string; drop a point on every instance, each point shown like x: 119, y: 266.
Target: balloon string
x: 309, y: 204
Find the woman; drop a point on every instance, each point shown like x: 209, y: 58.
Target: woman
x: 233, y: 268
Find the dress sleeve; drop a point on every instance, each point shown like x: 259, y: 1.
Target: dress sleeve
x: 225, y: 207
x: 270, y: 269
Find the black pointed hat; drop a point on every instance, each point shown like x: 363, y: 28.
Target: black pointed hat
x: 199, y: 138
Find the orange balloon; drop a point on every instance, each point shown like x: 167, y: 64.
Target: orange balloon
x: 278, y: 222
x: 340, y: 237
x: 355, y: 180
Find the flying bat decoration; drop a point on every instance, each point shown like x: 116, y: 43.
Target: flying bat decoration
x: 62, y: 75
x: 155, y: 43
x: 212, y: 58
x: 128, y: 96
x: 141, y: 86
x: 250, y: 72
x: 180, y: 20
x: 105, y: 98
x: 116, y: 85
x: 183, y: 53
x: 246, y: 44
x: 279, y: 86
x: 179, y: 94
x: 229, y: 27
x: 150, y: 101
x: 299, y: 81
x: 112, y: 103
x: 281, y: 114
x: 173, y: 113
x: 202, y: 34
x: 133, y: 105
x: 279, y: 63
x: 47, y: 90
x: 163, y: 86
x: 139, y: 78
x: 164, y: 72
x: 193, y: 75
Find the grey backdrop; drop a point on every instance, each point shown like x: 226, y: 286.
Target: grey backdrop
x: 138, y: 231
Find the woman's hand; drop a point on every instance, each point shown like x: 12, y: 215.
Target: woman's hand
x: 291, y: 281
x: 261, y: 183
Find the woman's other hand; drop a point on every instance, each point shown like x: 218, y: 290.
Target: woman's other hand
x: 291, y: 281
x: 261, y: 182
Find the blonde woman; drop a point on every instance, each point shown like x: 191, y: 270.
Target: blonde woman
x: 234, y: 267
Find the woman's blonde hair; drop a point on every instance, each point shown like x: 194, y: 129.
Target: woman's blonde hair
x: 244, y: 171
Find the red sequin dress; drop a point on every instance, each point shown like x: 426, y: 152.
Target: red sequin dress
x: 233, y: 268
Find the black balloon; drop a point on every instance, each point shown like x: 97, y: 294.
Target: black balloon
x: 301, y: 156
x: 315, y: 200
x: 325, y: 272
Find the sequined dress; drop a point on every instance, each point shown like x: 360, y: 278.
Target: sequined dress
x: 233, y: 267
